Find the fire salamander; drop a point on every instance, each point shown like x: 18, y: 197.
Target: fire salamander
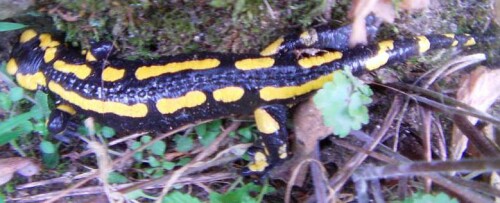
x: 169, y: 92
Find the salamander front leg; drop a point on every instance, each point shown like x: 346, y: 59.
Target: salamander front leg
x: 59, y: 118
x: 272, y: 147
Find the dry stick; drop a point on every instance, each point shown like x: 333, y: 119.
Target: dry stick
x: 446, y: 182
x: 426, y: 135
x: 95, y: 190
x: 339, y: 179
x: 205, y: 153
x: 476, y: 137
x: 318, y: 178
x: 117, y: 162
x: 484, y: 145
x: 429, y: 169
x: 471, y: 111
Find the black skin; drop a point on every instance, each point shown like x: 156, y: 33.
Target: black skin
x: 285, y: 72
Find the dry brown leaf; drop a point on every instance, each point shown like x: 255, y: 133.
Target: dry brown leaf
x: 383, y: 9
x: 412, y: 5
x: 309, y: 130
x: 21, y: 165
x: 480, y: 90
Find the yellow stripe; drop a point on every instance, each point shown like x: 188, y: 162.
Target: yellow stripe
x: 311, y: 61
x: 273, y: 47
x: 228, y: 94
x: 309, y: 37
x: 265, y: 122
x: 66, y: 108
x: 259, y: 162
x: 136, y: 110
x: 381, y: 57
x: 49, y: 54
x: 30, y: 81
x: 111, y: 74
x: 171, y: 105
x: 46, y: 41
x: 470, y: 42
x: 255, y: 63
x: 81, y: 71
x: 452, y: 36
x: 273, y: 93
x: 90, y: 57
x: 27, y: 36
x: 423, y: 44
x: 145, y: 72
x: 12, y: 66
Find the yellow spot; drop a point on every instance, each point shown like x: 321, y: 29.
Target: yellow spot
x: 111, y: 74
x: 282, y: 151
x: 46, y: 41
x: 27, y: 35
x: 49, y: 54
x: 228, y: 94
x: 31, y: 81
x: 265, y: 122
x: 81, y: 71
x: 423, y: 44
x: 470, y: 42
x: 145, y: 72
x: 12, y: 66
x: 136, y: 110
x: 272, y: 48
x: 381, y: 57
x: 89, y: 56
x: 311, y: 61
x: 452, y: 36
x: 309, y: 37
x: 66, y: 108
x: 171, y: 105
x: 260, y: 162
x: 256, y: 63
x: 273, y: 93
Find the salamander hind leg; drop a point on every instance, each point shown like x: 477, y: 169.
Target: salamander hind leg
x: 59, y: 118
x: 272, y: 147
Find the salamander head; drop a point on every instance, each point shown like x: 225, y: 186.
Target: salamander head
x: 27, y: 59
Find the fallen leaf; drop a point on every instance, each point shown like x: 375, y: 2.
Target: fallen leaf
x: 309, y: 130
x: 23, y: 166
x: 479, y: 89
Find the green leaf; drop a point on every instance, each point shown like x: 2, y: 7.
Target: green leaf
x: 246, y: 133
x: 242, y: 194
x: 8, y: 26
x: 177, y: 196
x: 116, y: 178
x: 207, y: 132
x: 13, y: 122
x: 47, y: 147
x: 16, y: 93
x: 183, y: 161
x: 23, y: 129
x: 158, y: 148
x: 183, y: 143
x: 219, y: 3
x: 167, y: 165
x: 41, y: 106
x: 50, y: 160
x: 138, y: 194
x: 107, y: 132
x: 146, y: 139
x: 420, y: 197
x: 342, y: 103
x: 5, y: 101
x: 153, y: 162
